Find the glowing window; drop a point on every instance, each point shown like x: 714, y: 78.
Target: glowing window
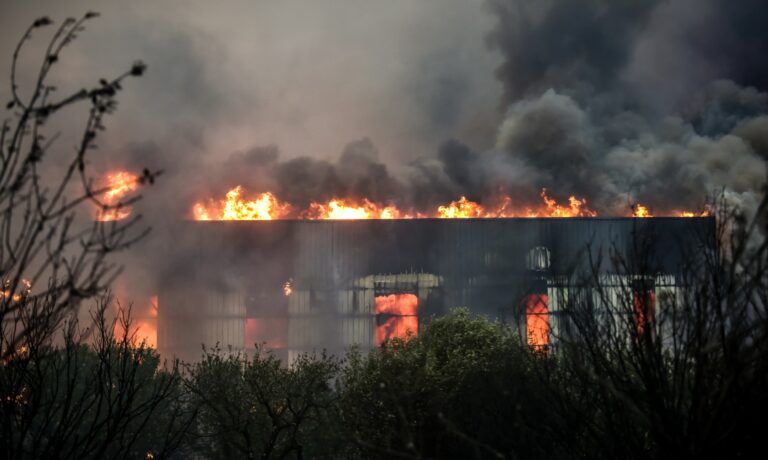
x: 537, y: 320
x: 396, y: 316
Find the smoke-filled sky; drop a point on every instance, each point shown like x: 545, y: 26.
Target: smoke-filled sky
x: 419, y: 102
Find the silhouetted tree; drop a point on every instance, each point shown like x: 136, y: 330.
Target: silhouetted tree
x: 257, y: 407
x: 464, y: 388
x: 67, y: 391
x: 678, y: 371
x: 96, y: 395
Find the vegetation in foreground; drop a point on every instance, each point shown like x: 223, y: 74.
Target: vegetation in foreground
x: 692, y: 384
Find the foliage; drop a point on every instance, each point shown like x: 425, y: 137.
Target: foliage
x: 106, y: 399
x: 691, y: 383
x: 47, y: 252
x: 257, y: 407
x: 67, y: 392
x: 465, y: 388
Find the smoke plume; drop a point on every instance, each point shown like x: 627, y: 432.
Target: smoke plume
x: 619, y: 102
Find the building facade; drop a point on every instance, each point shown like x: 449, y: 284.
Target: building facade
x: 302, y: 285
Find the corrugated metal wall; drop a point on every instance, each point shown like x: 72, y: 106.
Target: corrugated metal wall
x: 239, y: 269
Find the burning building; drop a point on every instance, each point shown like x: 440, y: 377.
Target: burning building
x: 304, y: 285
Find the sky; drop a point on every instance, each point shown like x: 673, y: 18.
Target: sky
x: 309, y: 77
x: 419, y: 102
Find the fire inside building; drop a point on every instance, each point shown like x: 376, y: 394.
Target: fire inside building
x: 309, y: 285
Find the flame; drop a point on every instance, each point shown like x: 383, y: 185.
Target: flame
x: 644, y: 305
x: 576, y: 207
x: 145, y: 323
x: 537, y: 320
x: 464, y: 208
x: 234, y: 207
x: 266, y: 206
x: 146, y: 331
x: 396, y: 317
x: 461, y: 209
x: 706, y: 212
x: 288, y: 288
x: 349, y: 209
x: 118, y: 185
x: 638, y: 210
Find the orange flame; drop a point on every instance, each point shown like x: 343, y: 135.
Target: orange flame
x: 537, y: 320
x: 464, y: 208
x: 396, y: 317
x: 638, y: 210
x: 348, y: 209
x: 644, y: 305
x: 461, y: 209
x: 118, y: 185
x: 266, y: 206
x: 146, y: 332
x: 234, y: 207
x: 576, y: 207
x: 706, y: 212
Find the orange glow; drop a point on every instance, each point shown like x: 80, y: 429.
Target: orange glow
x: 706, y: 212
x: 117, y: 185
x: 537, y: 320
x: 350, y: 209
x: 26, y: 289
x: 638, y: 210
x: 146, y: 331
x: 644, y: 304
x: 464, y: 208
x: 288, y: 288
x: 267, y: 206
x: 272, y: 332
x: 264, y: 206
x: 461, y: 209
x: 396, y: 317
x: 143, y: 327
x: 576, y: 207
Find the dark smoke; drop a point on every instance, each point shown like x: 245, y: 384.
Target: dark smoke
x: 574, y: 47
x: 586, y: 112
x: 618, y: 101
